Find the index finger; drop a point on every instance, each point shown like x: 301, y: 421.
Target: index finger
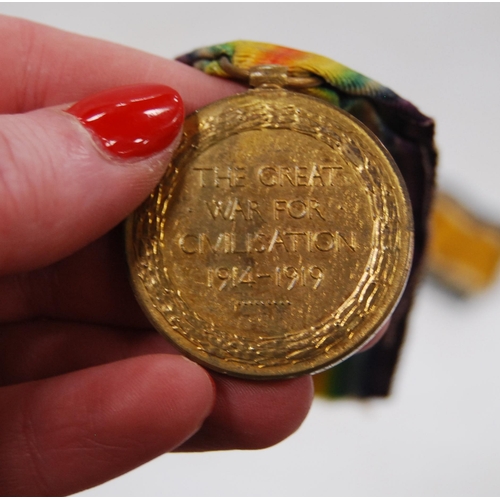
x: 48, y: 67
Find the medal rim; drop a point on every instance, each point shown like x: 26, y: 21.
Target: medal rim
x: 172, y: 174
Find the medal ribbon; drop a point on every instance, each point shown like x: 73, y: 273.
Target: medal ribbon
x: 405, y: 132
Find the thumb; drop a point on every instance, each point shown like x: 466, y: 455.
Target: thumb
x: 67, y: 177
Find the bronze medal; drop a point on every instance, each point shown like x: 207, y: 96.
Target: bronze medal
x: 279, y: 240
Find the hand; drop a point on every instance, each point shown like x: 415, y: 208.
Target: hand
x: 87, y: 390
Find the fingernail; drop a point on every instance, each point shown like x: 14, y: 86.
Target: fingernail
x: 133, y: 121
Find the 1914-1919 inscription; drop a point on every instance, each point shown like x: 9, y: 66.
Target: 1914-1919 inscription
x: 276, y: 244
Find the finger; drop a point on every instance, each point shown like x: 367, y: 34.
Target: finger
x: 48, y: 67
x: 252, y: 415
x: 69, y: 433
x: 247, y: 414
x: 41, y: 349
x: 91, y: 285
x: 60, y: 189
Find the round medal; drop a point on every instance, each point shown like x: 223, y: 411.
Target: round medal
x: 279, y: 240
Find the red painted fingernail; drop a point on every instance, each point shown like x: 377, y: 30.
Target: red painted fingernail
x: 133, y: 121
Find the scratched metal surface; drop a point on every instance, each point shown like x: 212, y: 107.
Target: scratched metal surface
x: 323, y: 294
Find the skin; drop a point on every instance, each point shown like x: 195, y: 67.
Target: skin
x: 87, y: 390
